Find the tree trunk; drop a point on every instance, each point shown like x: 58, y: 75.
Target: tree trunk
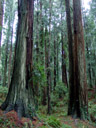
x: 54, y: 62
x: 79, y: 99
x: 10, y: 59
x: 6, y: 55
x: 48, y: 62
x: 41, y: 35
x: 44, y: 100
x: 64, y: 73
x: 1, y: 23
x: 57, y: 63
x: 71, y: 64
x: 89, y: 66
x: 37, y: 35
x: 20, y: 95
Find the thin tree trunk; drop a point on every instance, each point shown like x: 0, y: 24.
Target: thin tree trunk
x: 54, y: 62
x: 71, y: 64
x: 10, y: 59
x: 49, y: 72
x: 89, y: 66
x: 41, y: 34
x: 44, y: 100
x: 64, y: 73
x: 37, y: 35
x: 1, y: 23
x: 57, y: 63
x: 6, y: 56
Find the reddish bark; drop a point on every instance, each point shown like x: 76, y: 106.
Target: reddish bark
x: 29, y: 38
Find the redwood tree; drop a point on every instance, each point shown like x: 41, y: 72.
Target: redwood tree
x: 71, y: 64
x: 20, y: 94
x: 78, y: 103
x: 80, y: 83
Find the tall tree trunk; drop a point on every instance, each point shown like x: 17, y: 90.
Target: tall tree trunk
x: 89, y: 65
x: 57, y: 63
x: 37, y: 34
x: 1, y: 23
x: 41, y: 34
x: 64, y: 73
x: 48, y: 63
x: 6, y: 55
x: 71, y: 62
x: 54, y: 62
x: 44, y: 100
x: 79, y: 99
x: 10, y: 59
x: 80, y: 83
x: 20, y: 94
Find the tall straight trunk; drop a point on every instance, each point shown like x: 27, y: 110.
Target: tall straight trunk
x: 64, y: 72
x: 57, y: 63
x: 1, y: 23
x: 78, y: 105
x: 37, y: 34
x: 10, y: 59
x: 71, y: 62
x: 20, y: 94
x: 54, y: 62
x: 48, y: 63
x: 80, y: 82
x: 44, y: 100
x: 89, y: 65
x: 6, y: 56
x: 41, y: 34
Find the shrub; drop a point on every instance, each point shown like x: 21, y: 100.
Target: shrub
x: 53, y: 122
x: 92, y: 109
x: 61, y: 89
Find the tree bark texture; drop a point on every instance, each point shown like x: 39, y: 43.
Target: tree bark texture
x: 71, y: 62
x: 78, y: 103
x: 20, y: 94
x: 80, y: 82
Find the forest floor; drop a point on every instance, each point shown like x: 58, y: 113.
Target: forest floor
x: 58, y: 118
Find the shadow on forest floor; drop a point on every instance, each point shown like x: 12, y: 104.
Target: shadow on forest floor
x: 58, y: 118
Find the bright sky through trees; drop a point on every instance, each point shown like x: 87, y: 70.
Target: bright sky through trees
x: 86, y: 3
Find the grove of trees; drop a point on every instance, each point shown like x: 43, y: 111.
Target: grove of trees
x: 46, y: 47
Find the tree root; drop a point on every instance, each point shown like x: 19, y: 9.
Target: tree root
x: 21, y: 110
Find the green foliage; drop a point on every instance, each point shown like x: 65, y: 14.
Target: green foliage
x: 5, y: 123
x: 66, y: 126
x: 3, y: 90
x: 3, y: 93
x: 31, y: 111
x: 92, y: 108
x: 43, y: 127
x: 61, y: 90
x: 39, y: 74
x: 54, y: 99
x: 53, y: 122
